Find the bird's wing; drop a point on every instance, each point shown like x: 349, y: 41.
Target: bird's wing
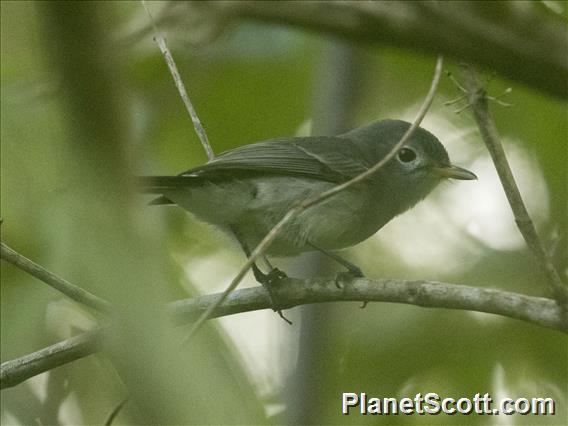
x: 333, y: 159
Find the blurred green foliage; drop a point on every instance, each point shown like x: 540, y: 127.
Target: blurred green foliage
x: 256, y: 82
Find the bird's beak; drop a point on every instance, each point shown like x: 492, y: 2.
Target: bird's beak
x: 454, y: 172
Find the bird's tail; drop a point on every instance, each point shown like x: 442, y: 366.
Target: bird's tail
x: 159, y: 184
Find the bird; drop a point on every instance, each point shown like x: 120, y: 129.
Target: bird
x: 246, y: 191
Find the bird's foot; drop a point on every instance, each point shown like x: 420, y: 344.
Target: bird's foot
x: 269, y: 282
x: 343, y: 278
x: 275, y: 276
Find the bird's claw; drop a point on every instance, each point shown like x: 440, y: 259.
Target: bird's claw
x: 279, y: 312
x: 270, y: 280
x: 274, y: 277
x: 345, y: 277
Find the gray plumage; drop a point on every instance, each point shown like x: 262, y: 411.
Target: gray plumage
x: 249, y: 189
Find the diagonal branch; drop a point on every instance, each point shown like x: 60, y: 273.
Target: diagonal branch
x: 477, y: 99
x: 199, y: 129
x: 306, y: 204
x: 59, y: 284
x: 535, y: 310
x: 16, y: 371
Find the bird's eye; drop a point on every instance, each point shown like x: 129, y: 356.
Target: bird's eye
x: 406, y: 155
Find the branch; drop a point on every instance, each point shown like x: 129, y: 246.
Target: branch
x: 181, y: 87
x: 310, y: 202
x: 116, y: 411
x: 490, y: 34
x: 17, y: 370
x: 431, y: 294
x: 477, y: 99
x: 294, y: 292
x: 59, y: 284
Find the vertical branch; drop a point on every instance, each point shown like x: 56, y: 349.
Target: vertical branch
x: 181, y: 87
x: 477, y: 99
x: 337, y: 91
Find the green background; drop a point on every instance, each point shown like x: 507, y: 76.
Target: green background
x: 256, y: 82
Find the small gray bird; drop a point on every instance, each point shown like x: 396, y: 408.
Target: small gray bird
x: 247, y: 190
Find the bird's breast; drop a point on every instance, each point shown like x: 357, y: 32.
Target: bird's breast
x: 343, y: 220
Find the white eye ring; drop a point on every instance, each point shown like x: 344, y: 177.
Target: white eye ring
x: 406, y: 155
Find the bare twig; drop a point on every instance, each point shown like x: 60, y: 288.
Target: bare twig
x: 430, y: 294
x: 181, y: 87
x: 407, y: 135
x: 116, y: 411
x: 295, y: 211
x: 59, y: 284
x: 256, y: 253
x: 535, y: 310
x: 17, y: 370
x: 477, y: 99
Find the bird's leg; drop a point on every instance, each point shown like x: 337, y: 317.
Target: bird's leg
x: 268, y: 281
x: 353, y: 271
x: 268, y: 263
x: 275, y: 274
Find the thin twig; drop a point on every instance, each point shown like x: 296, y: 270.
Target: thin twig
x: 477, y: 99
x: 419, y: 117
x: 295, y: 211
x: 116, y: 411
x: 16, y: 371
x: 256, y: 253
x: 59, y: 284
x: 181, y: 87
x: 534, y: 310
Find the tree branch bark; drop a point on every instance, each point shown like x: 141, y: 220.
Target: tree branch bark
x: 477, y: 100
x: 16, y: 371
x: 293, y: 292
x: 430, y: 294
x: 519, y: 40
x: 70, y: 290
